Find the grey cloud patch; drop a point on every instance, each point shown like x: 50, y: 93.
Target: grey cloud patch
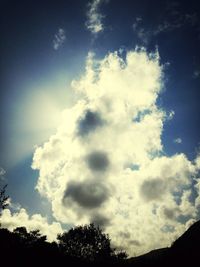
x: 98, y: 161
x: 152, y: 189
x: 141, y: 115
x: 87, y: 194
x: 100, y: 220
x: 125, y: 235
x: 89, y: 123
x: 170, y: 213
x: 135, y: 243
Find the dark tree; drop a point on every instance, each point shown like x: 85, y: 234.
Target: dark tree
x: 29, y: 238
x: 3, y: 198
x: 86, y: 242
x: 85, y: 246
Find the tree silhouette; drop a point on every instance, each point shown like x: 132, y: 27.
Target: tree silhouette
x: 3, y: 198
x: 29, y: 238
x: 88, y: 243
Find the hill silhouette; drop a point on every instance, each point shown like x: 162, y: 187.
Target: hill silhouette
x: 183, y: 252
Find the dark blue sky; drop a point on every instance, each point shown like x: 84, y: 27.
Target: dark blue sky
x: 29, y: 62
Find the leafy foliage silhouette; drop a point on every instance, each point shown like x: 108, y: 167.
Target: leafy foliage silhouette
x: 3, y: 198
x: 81, y: 246
x: 88, y: 246
x: 86, y: 242
x: 29, y: 238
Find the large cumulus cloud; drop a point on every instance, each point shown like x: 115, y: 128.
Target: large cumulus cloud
x: 86, y: 169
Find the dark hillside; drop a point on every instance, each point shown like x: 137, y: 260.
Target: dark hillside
x: 183, y: 252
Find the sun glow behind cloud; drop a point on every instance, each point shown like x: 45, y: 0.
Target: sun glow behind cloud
x: 35, y: 115
x: 106, y: 164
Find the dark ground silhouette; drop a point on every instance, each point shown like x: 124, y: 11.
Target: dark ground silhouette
x: 81, y: 246
x: 89, y: 246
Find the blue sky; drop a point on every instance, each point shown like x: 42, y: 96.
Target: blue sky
x: 45, y: 46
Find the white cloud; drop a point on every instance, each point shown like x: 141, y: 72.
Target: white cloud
x: 59, y: 38
x: 94, y: 17
x: 171, y: 115
x: 34, y: 222
x: 178, y: 140
x: 87, y: 169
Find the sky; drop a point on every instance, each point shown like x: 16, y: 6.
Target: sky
x: 100, y: 117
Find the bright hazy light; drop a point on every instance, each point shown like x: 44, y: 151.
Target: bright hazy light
x: 35, y: 116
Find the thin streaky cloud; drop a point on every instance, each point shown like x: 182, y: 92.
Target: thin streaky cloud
x: 175, y: 20
x: 142, y: 33
x: 94, y: 17
x: 59, y: 39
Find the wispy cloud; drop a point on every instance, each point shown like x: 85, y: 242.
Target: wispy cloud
x: 59, y: 38
x: 175, y: 22
x: 2, y: 173
x: 178, y: 140
x: 138, y: 20
x: 171, y: 114
x: 141, y: 31
x: 94, y: 17
x: 173, y: 19
x: 196, y: 74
